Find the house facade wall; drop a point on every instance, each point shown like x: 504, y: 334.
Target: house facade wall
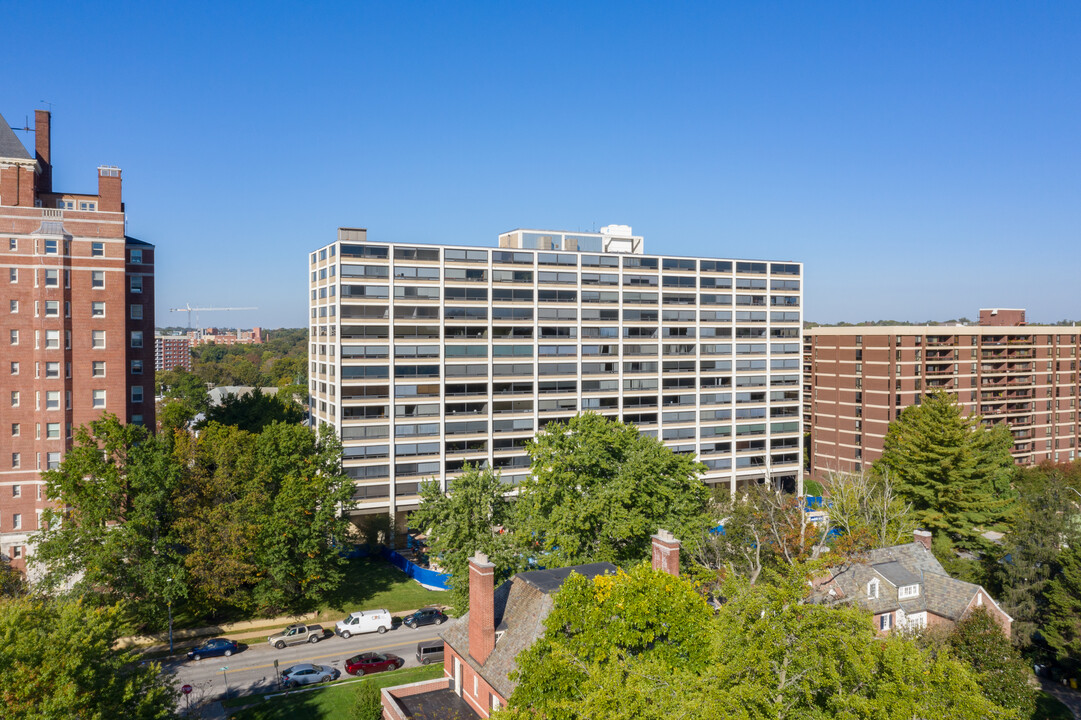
x: 474, y: 689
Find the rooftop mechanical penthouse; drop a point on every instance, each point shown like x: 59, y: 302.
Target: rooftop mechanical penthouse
x: 427, y: 357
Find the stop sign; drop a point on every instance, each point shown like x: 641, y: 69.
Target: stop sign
x: 185, y: 689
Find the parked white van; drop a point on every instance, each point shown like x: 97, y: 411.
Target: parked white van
x: 364, y: 621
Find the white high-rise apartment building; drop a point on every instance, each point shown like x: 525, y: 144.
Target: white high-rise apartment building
x: 427, y: 357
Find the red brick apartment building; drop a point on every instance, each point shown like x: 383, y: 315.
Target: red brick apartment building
x: 171, y: 352
x: 857, y: 379
x: 78, y: 310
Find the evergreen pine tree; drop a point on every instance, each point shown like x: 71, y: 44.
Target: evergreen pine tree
x: 1063, y: 629
x: 1044, y: 525
x: 954, y: 471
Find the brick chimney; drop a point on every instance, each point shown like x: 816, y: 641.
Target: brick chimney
x: 666, y: 553
x: 43, y: 142
x: 923, y: 537
x: 109, y: 199
x: 481, y: 607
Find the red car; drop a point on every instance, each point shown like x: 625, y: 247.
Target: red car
x: 367, y: 663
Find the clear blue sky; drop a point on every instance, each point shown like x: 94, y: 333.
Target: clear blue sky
x: 922, y: 159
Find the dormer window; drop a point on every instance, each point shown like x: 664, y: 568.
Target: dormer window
x: 908, y: 591
x: 65, y: 204
x: 872, y: 589
x: 88, y: 206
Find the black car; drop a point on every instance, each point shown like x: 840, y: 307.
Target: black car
x: 424, y: 616
x: 213, y: 648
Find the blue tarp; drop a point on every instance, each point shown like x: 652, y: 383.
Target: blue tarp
x: 428, y: 578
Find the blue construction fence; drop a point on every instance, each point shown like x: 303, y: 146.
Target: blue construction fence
x: 428, y: 578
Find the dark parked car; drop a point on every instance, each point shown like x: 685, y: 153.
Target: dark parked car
x: 370, y: 662
x: 424, y: 616
x: 213, y: 648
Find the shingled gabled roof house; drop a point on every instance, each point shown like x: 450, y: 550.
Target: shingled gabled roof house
x: 482, y: 646
x: 905, y: 586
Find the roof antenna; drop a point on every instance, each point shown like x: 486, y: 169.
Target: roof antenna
x: 46, y: 102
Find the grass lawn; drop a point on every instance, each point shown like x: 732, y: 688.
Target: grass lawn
x: 333, y: 701
x: 374, y: 583
x: 1049, y: 708
x: 369, y: 583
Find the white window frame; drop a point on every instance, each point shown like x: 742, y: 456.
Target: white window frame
x: 94, y: 308
x: 97, y: 399
x: 885, y: 622
x: 873, y: 588
x: 95, y: 335
x: 97, y: 249
x: 94, y: 276
x: 94, y: 369
x: 908, y: 591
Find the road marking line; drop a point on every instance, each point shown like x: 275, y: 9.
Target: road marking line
x: 321, y: 657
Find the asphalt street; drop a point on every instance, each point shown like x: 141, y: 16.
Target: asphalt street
x: 252, y: 669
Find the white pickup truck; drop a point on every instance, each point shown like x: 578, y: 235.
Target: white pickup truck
x: 364, y: 621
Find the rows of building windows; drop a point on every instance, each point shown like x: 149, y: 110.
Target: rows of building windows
x: 53, y: 247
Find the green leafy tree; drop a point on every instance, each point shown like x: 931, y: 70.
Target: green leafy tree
x: 1062, y: 629
x: 954, y: 471
x: 598, y: 490
x: 644, y: 645
x: 473, y: 516
x: 219, y: 509
x: 1047, y: 522
x: 184, y: 396
x: 643, y: 615
x: 57, y: 661
x: 261, y: 517
x: 111, y: 528
x: 255, y: 411
x: 1000, y: 670
x: 225, y: 520
x: 302, y: 531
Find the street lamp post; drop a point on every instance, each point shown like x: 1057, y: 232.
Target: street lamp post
x: 169, y: 605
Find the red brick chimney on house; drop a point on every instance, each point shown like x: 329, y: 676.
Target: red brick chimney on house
x: 666, y: 553
x: 43, y: 143
x: 923, y: 537
x: 481, y: 607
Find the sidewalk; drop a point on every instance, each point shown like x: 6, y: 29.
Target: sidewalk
x: 189, y: 638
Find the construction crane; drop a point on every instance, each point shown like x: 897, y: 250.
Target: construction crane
x: 189, y: 309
